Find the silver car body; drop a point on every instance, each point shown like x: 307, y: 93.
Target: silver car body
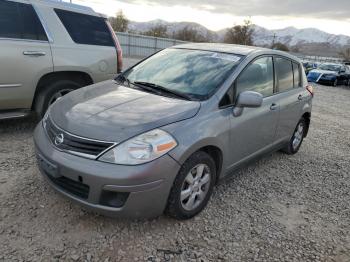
x: 110, y: 112
x: 25, y: 62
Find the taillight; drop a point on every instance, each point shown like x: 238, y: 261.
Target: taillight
x: 310, y: 88
x: 118, y: 47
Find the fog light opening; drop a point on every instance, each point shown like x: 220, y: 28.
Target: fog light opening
x: 113, y: 199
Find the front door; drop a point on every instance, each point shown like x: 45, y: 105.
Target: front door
x: 255, y: 129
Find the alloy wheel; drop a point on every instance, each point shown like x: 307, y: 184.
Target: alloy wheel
x: 195, y: 187
x: 298, y: 136
x: 335, y: 83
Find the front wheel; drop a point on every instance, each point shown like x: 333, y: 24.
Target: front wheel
x: 335, y: 83
x: 192, y: 187
x: 297, y: 138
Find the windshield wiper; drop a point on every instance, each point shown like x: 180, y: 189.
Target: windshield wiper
x: 163, y: 89
x: 122, y: 79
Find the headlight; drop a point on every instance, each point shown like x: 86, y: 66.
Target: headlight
x: 141, y: 149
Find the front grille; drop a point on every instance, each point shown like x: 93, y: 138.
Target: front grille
x: 70, y: 186
x: 74, y: 144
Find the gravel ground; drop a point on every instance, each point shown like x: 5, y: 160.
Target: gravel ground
x: 281, y: 208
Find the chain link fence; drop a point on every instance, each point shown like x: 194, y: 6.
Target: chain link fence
x: 135, y: 45
x: 319, y: 59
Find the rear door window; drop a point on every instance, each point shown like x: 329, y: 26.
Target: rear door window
x: 86, y: 29
x: 296, y: 71
x: 284, y: 71
x: 19, y: 21
x: 10, y: 22
x: 258, y: 77
x: 32, y: 28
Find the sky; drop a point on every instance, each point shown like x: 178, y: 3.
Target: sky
x: 329, y: 16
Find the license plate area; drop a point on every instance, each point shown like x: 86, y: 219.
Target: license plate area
x: 49, y: 168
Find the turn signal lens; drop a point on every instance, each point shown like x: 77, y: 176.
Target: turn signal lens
x: 166, y: 147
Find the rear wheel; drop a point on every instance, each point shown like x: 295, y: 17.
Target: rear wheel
x: 52, y: 93
x: 192, y: 187
x: 297, y: 138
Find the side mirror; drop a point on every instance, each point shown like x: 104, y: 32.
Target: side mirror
x: 248, y: 99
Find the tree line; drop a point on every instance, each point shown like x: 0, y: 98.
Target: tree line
x: 239, y: 34
x: 120, y: 23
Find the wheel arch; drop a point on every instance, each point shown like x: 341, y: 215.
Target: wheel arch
x: 78, y: 76
x: 217, y: 155
x: 210, y: 147
x: 307, y: 117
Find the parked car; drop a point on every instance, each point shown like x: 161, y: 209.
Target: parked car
x: 49, y: 48
x: 330, y: 74
x: 347, y: 70
x: 308, y: 66
x: 161, y: 135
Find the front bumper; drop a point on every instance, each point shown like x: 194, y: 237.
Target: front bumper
x: 324, y: 81
x: 139, y: 191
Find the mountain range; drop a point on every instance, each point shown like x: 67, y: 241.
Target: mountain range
x: 310, y: 41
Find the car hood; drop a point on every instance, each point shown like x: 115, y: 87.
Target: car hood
x: 111, y: 112
x: 319, y: 71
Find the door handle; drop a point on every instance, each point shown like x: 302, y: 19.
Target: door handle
x: 34, y: 53
x: 273, y: 106
x: 300, y: 97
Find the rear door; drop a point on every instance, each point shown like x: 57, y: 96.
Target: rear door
x: 290, y: 95
x: 25, y: 54
x: 255, y: 129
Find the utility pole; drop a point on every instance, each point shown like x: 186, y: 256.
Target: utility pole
x: 274, y: 39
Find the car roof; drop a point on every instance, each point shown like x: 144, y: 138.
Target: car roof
x: 243, y: 50
x: 224, y: 48
x: 65, y: 6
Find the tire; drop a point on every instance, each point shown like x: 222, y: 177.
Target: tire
x: 51, y: 93
x: 335, y: 83
x: 200, y: 194
x: 293, y: 147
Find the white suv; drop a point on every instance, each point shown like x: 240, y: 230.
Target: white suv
x: 49, y: 48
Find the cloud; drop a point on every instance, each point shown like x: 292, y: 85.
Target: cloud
x: 335, y: 10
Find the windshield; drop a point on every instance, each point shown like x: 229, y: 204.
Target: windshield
x: 194, y: 73
x: 330, y: 67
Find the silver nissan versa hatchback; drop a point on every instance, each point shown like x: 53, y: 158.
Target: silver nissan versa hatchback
x: 164, y: 132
